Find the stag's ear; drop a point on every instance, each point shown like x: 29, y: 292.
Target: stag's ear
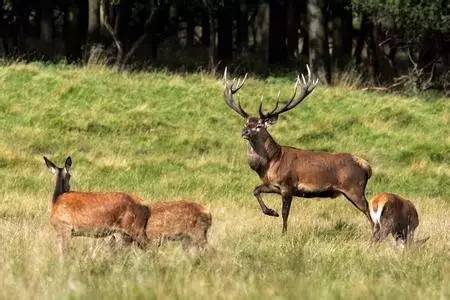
x: 51, y: 166
x: 68, y: 164
x: 270, y: 120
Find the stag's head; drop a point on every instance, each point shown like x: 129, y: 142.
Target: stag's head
x: 257, y: 126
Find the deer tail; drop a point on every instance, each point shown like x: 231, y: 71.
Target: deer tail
x: 205, y: 218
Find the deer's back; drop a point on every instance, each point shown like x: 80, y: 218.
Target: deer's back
x: 395, y: 211
x: 400, y: 211
x: 177, y: 218
x: 318, y: 167
x: 90, y: 210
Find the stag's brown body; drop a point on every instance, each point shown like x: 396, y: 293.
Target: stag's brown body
x: 394, y: 215
x: 293, y: 172
x: 185, y: 221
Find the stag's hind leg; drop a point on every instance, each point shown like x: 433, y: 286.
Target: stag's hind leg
x: 287, y: 200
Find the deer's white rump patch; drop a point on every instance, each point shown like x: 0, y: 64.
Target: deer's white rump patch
x: 376, y: 214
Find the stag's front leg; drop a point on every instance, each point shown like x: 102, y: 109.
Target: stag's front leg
x: 269, y: 189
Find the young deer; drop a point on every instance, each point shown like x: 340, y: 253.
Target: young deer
x: 392, y: 214
x: 290, y: 172
x: 187, y: 222
x: 93, y: 214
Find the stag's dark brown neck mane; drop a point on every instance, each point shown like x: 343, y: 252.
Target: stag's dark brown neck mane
x: 262, y: 149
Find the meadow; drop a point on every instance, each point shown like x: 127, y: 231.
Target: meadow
x: 168, y: 136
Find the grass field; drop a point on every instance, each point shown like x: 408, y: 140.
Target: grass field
x: 170, y: 136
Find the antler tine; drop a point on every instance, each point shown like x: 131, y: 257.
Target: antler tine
x: 239, y: 83
x: 260, y: 109
x: 308, y: 84
x: 276, y: 104
x: 230, y: 90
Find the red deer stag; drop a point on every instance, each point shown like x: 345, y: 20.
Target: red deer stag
x: 392, y: 214
x: 93, y: 214
x: 183, y: 221
x: 288, y: 171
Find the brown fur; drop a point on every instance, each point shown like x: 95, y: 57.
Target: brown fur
x: 398, y: 217
x: 94, y: 214
x: 179, y: 220
x: 292, y: 172
x: 98, y: 215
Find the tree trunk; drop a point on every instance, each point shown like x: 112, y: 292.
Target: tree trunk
x: 122, y: 27
x: 3, y: 31
x: 46, y: 21
x: 73, y: 36
x: 190, y: 31
x: 304, y: 30
x: 93, y: 36
x: 361, y: 37
x: 372, y: 50
x: 319, y: 56
x: 277, y: 32
x: 212, y: 50
x: 342, y: 33
x: 293, y: 25
x: 262, y: 33
x: 205, y: 30
x: 241, y: 10
x: 225, y: 33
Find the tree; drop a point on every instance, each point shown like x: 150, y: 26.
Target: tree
x: 293, y: 25
x: 319, y: 56
x: 46, y: 21
x: 93, y: 32
x: 75, y: 25
x: 342, y: 32
x: 277, y: 32
x: 225, y: 32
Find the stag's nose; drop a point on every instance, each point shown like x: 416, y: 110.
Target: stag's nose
x: 245, y: 133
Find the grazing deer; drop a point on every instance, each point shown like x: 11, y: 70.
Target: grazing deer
x: 288, y: 171
x: 392, y: 214
x: 93, y: 214
x: 187, y: 222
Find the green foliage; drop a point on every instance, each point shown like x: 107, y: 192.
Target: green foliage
x: 169, y: 136
x: 414, y: 18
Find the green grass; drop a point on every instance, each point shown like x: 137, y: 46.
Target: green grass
x: 169, y: 136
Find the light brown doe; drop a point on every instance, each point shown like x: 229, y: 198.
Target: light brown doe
x: 183, y: 221
x: 94, y: 214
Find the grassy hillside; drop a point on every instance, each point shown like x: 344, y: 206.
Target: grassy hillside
x: 170, y: 136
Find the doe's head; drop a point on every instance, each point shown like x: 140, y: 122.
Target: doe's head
x: 257, y: 126
x: 62, y: 174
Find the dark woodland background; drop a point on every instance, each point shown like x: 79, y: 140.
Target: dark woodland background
x: 387, y: 44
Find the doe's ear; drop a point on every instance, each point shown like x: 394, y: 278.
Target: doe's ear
x: 68, y: 163
x: 270, y: 120
x: 51, y: 166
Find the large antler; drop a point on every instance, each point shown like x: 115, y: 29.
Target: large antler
x: 230, y: 90
x: 307, y: 86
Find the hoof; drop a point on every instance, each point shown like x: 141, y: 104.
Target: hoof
x: 271, y: 212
